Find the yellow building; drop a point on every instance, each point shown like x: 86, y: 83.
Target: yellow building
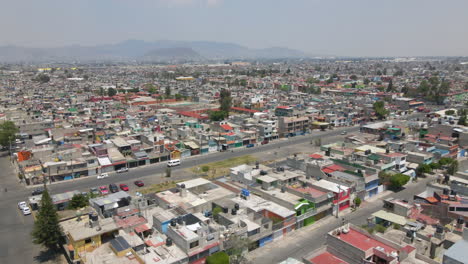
x: 84, y: 234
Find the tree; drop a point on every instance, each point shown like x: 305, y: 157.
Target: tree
x: 225, y: 101
x: 46, y: 230
x: 366, y: 81
x: 384, y: 177
x: 111, y: 92
x: 435, y: 165
x: 445, y: 161
x: 462, y: 120
x: 220, y: 257
x: 167, y: 91
x: 357, y: 201
x: 380, y: 111
x: 178, y: 97
x: 43, y: 78
x: 422, y: 169
x: 168, y: 172
x: 236, y: 247
x: 390, y: 86
x: 453, y: 168
x: 205, y: 168
x: 8, y: 131
x: 450, y: 112
x: 424, y: 87
x: 217, y: 115
x: 78, y: 201
x: 353, y: 77
x: 329, y: 80
x: 398, y: 180
x: 379, y: 72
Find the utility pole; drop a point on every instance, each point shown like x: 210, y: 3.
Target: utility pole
x: 338, y: 202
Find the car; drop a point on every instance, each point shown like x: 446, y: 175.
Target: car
x: 124, y: 187
x: 102, y: 176
x: 344, y: 133
x: 38, y: 191
x: 103, y: 190
x: 123, y: 169
x: 174, y: 162
x: 26, y: 211
x: 139, y: 183
x: 113, y: 188
x: 264, y: 142
x: 94, y: 190
x: 250, y: 146
x: 22, y: 205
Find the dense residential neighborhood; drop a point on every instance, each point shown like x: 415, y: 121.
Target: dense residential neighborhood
x: 186, y: 163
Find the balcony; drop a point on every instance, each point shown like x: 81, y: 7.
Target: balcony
x: 308, y: 214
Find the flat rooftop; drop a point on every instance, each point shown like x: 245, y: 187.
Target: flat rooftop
x: 362, y: 241
x: 79, y: 230
x: 327, y: 258
x: 259, y: 204
x: 308, y: 190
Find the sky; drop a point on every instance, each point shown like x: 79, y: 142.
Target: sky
x: 317, y: 27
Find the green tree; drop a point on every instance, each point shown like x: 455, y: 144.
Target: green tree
x: 435, y: 165
x: 220, y: 257
x: 8, y: 131
x: 236, y: 248
x: 445, y: 161
x: 205, y: 168
x: 390, y: 86
x: 398, y: 180
x: 43, y: 78
x: 353, y: 77
x: 78, y: 201
x: 46, y: 230
x: 357, y: 201
x: 366, y: 81
x: 462, y: 120
x: 217, y: 115
x: 380, y: 111
x: 178, y: 97
x: 424, y: 87
x: 378, y: 72
x: 422, y: 169
x: 167, y: 91
x: 453, y: 168
x: 450, y: 112
x: 330, y: 80
x: 225, y: 101
x: 111, y: 92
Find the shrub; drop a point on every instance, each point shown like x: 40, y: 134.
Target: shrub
x: 220, y: 257
x: 205, y: 168
x: 380, y: 228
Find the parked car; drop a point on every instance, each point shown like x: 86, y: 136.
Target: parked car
x: 264, y: 142
x: 344, y: 133
x: 113, y: 188
x: 22, y: 205
x: 94, y: 190
x: 103, y: 190
x: 26, y: 211
x: 250, y: 146
x: 123, y: 169
x: 102, y: 176
x: 124, y: 187
x: 38, y: 191
x: 139, y: 183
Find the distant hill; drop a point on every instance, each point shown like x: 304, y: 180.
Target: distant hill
x: 165, y: 50
x: 171, y: 55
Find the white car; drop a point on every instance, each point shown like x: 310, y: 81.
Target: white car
x: 124, y: 169
x: 22, y: 205
x: 26, y: 211
x: 102, y: 176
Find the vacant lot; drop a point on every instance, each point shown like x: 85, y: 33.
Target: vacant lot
x: 221, y: 168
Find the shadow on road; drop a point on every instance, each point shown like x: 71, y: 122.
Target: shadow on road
x: 47, y: 256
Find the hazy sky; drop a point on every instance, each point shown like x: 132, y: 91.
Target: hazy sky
x: 339, y: 27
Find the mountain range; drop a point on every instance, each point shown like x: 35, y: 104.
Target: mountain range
x: 139, y: 50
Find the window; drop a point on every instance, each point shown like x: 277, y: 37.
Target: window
x: 194, y: 244
x: 87, y: 241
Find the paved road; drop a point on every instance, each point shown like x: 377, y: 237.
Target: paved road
x: 306, y: 240
x: 15, y: 240
x: 156, y: 170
